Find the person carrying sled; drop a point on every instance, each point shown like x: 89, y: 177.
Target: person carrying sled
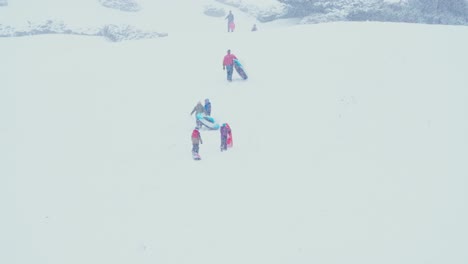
x: 196, y: 140
x: 198, y: 109
x: 226, y: 133
x: 230, y: 22
x: 207, y: 107
x: 228, y: 63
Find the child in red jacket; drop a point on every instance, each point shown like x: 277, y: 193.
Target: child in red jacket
x: 196, y: 141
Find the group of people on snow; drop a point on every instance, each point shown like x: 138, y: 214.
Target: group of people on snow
x: 225, y: 129
x: 205, y: 110
x: 231, y: 25
x: 201, y: 109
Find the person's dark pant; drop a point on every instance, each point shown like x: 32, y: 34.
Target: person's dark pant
x: 195, y: 148
x: 223, y: 143
x: 229, y: 70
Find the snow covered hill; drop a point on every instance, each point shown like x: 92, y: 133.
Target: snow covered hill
x: 119, y: 20
x: 349, y: 145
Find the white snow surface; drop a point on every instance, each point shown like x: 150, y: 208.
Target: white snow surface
x: 350, y: 142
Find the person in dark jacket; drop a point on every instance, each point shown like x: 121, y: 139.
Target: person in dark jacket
x: 254, y: 28
x: 225, y: 130
x: 230, y: 22
x: 207, y: 107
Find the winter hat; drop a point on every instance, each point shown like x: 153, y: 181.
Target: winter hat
x: 207, y: 100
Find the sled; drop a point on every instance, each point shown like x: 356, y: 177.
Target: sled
x: 232, y: 26
x: 196, y: 156
x: 229, y: 140
x: 240, y: 69
x: 208, y: 121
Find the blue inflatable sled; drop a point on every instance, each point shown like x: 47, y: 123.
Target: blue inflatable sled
x: 208, y: 121
x: 240, y: 69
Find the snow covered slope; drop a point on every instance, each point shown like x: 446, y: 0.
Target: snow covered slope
x: 349, y: 146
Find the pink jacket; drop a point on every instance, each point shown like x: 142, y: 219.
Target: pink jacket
x: 229, y: 59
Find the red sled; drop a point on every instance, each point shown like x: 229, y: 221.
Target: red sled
x: 232, y: 26
x: 229, y: 142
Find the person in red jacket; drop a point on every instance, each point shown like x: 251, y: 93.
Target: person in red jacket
x: 228, y: 64
x: 196, y: 140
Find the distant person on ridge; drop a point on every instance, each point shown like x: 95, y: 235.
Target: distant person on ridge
x: 230, y: 22
x: 254, y: 28
x: 228, y: 63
